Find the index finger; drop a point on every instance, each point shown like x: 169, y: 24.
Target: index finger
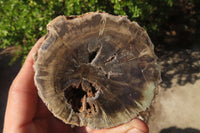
x: 22, y: 98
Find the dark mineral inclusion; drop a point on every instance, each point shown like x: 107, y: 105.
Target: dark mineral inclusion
x: 96, y: 70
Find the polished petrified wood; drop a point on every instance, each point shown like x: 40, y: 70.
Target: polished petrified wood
x: 96, y: 70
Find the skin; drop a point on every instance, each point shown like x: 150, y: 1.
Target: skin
x: 26, y: 113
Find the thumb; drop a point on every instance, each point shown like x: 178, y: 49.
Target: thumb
x: 134, y: 126
x: 137, y: 126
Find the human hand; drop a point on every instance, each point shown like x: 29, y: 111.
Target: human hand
x: 26, y: 113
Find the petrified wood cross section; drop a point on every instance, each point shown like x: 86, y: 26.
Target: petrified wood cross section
x: 96, y: 70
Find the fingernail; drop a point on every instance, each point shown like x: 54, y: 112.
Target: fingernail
x: 135, y: 131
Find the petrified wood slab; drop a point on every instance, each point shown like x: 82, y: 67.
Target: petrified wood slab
x: 96, y: 70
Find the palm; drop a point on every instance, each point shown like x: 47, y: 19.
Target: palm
x: 45, y: 122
